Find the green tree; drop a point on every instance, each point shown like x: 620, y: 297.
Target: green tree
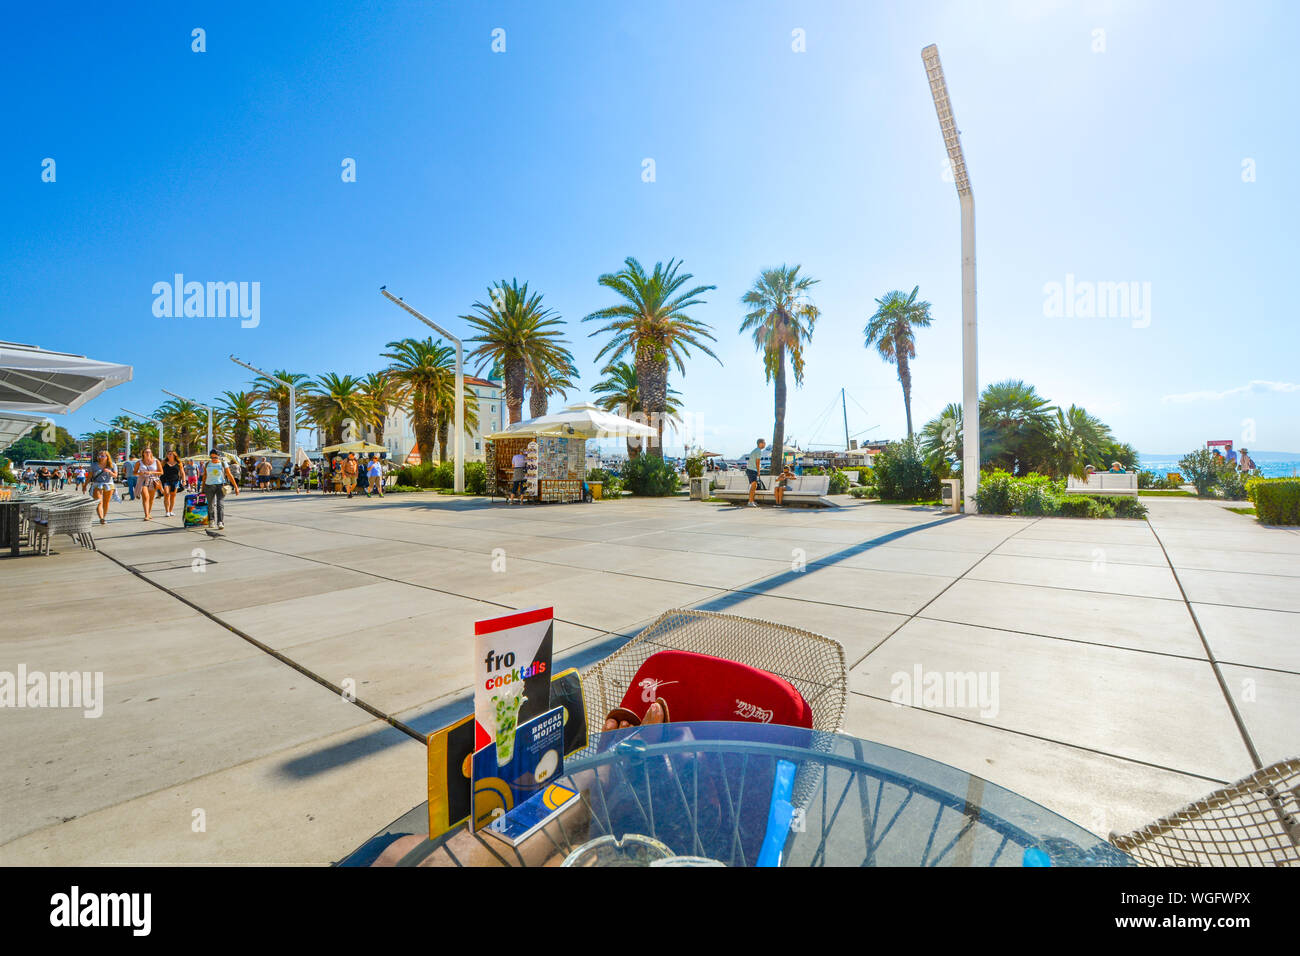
x: 651, y: 325
x: 272, y: 390
x: 424, y: 373
x: 184, y: 422
x: 238, y: 413
x: 547, y: 380
x: 891, y: 331
x: 1077, y: 440
x: 618, y: 393
x: 1015, y: 427
x: 517, y: 333
x: 1200, y: 469
x: 384, y: 392
x: 781, y: 320
x: 337, y: 402
x: 941, y: 441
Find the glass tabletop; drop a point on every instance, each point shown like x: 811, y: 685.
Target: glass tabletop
x: 747, y: 794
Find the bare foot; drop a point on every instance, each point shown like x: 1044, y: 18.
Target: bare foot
x: 612, y: 724
x: 655, y: 714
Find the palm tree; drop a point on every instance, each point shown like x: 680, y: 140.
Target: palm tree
x: 781, y: 318
x: 519, y: 335
x: 1015, y: 427
x: 619, y: 394
x: 184, y: 421
x: 424, y: 374
x: 651, y: 325
x: 338, y: 400
x: 384, y: 392
x: 278, y: 393
x: 545, y: 381
x: 1078, y: 440
x: 261, y: 436
x: 890, y: 330
x: 239, y: 413
x: 941, y: 439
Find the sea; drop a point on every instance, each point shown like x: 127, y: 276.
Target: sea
x: 1271, y: 464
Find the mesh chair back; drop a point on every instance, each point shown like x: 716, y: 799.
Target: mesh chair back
x: 813, y: 664
x: 1253, y: 822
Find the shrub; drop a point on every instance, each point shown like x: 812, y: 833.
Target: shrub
x: 401, y: 488
x: 1147, y: 479
x: 695, y: 466
x: 1126, y: 507
x: 1276, y: 500
x: 418, y: 476
x: 839, y: 483
x: 1232, y: 484
x: 863, y: 491
x: 901, y: 473
x: 476, y: 477
x: 650, y: 477
x: 993, y: 496
x: 610, y: 480
x: 1200, y: 470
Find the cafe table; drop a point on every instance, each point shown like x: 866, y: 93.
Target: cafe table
x: 749, y: 794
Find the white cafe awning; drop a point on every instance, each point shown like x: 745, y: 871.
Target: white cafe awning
x: 582, y: 420
x: 36, y: 380
x: 14, y: 426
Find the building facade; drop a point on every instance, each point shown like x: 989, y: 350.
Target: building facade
x: 399, y: 432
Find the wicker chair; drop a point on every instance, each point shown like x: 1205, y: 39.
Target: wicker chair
x: 1253, y: 822
x: 813, y: 664
x: 73, y: 520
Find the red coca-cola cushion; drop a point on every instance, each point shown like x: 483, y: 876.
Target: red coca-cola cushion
x: 701, y: 687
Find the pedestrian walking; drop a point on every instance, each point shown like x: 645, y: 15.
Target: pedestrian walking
x: 216, y: 473
x: 103, y: 480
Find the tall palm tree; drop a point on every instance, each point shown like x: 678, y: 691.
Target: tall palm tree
x: 890, y: 330
x: 619, y: 394
x: 445, y: 413
x: 336, y: 400
x: 277, y: 393
x: 547, y: 380
x: 781, y: 319
x: 1078, y: 440
x: 651, y: 325
x: 384, y: 392
x: 262, y: 436
x: 520, y: 335
x: 239, y: 413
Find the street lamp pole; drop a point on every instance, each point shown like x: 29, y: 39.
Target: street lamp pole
x: 157, y: 421
x: 459, y: 482
x: 119, y: 428
x: 293, y: 407
x: 970, y: 469
x: 209, y: 446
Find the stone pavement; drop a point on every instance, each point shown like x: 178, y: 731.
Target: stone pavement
x: 1127, y: 666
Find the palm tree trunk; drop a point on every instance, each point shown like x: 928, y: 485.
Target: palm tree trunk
x: 905, y: 378
x: 425, y: 429
x: 515, y: 380
x: 778, y: 431
x: 444, y: 426
x: 284, y: 423
x: 538, y: 400
x: 652, y: 387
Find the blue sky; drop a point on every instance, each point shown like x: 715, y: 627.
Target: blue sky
x: 1119, y: 165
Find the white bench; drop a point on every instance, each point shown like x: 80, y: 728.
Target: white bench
x: 1104, y: 483
x: 808, y: 490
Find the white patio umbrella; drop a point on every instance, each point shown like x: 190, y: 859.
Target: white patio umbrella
x: 33, y: 379
x: 583, y: 420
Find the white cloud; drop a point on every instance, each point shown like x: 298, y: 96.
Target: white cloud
x: 1258, y: 385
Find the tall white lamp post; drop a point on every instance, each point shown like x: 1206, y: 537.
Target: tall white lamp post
x: 459, y: 483
x: 162, y: 451
x: 970, y: 468
x: 293, y: 407
x: 209, y: 446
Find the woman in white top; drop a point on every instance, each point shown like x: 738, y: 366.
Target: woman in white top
x: 103, y: 481
x: 147, y: 473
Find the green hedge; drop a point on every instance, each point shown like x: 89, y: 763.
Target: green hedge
x: 611, y: 482
x: 1276, y: 500
x: 1035, y: 495
x: 901, y: 474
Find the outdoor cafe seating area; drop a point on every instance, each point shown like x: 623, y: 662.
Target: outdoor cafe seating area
x: 751, y: 769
